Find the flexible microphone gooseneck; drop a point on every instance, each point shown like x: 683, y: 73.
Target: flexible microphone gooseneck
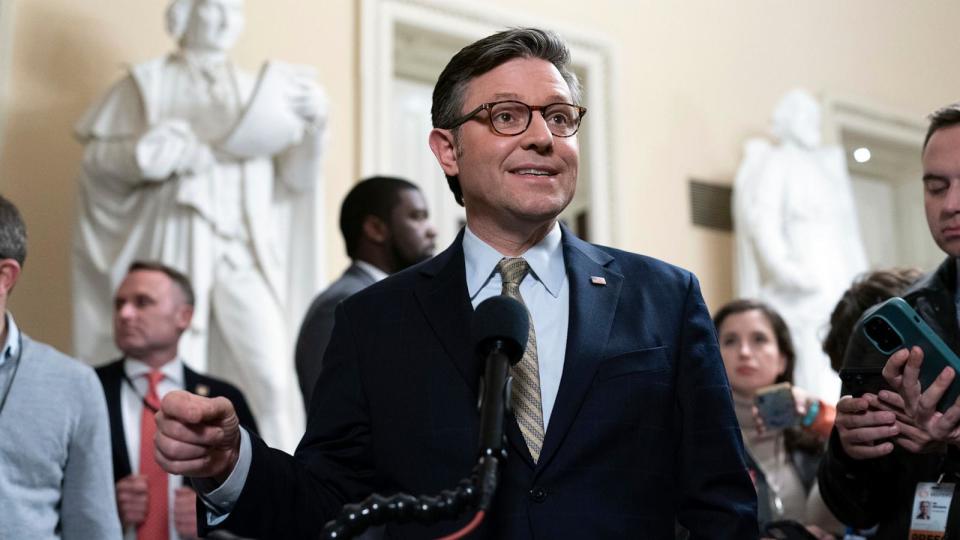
x: 499, y: 333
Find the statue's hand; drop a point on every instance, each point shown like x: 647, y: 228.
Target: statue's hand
x: 172, y: 148
x: 307, y: 99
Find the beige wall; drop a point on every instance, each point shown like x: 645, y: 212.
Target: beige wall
x: 695, y: 79
x: 66, y: 53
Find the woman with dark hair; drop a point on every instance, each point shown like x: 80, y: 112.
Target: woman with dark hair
x: 757, y: 352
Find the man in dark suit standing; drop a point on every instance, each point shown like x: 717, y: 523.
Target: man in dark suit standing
x: 622, y: 423
x: 386, y: 228
x: 152, y: 308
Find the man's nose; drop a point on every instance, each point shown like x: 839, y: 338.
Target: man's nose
x: 538, y: 135
x: 125, y: 311
x: 952, y: 202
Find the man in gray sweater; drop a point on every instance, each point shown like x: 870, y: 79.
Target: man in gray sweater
x: 56, y: 477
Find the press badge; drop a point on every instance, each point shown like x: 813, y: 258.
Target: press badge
x: 931, y: 504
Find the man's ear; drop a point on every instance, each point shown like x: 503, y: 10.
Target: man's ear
x: 375, y: 229
x: 9, y: 274
x: 445, y: 149
x: 184, y: 316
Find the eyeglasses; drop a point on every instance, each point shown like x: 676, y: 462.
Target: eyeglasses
x: 513, y: 117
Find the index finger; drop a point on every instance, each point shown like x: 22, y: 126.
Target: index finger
x: 193, y: 409
x: 893, y: 369
x: 932, y: 395
x: 852, y: 405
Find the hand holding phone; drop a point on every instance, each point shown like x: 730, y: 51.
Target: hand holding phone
x: 893, y: 325
x: 776, y: 406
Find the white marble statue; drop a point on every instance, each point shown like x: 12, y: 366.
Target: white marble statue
x: 192, y: 162
x: 798, y: 241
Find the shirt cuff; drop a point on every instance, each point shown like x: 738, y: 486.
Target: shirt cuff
x: 221, y: 499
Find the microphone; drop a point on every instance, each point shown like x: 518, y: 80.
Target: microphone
x: 499, y: 330
x: 499, y: 335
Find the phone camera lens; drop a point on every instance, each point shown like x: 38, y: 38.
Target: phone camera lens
x: 883, y: 334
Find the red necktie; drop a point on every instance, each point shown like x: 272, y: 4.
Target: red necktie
x: 157, y: 525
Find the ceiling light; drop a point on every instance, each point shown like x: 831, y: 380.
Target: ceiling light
x: 862, y: 154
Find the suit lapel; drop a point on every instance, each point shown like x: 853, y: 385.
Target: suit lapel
x: 445, y: 302
x: 195, y: 383
x: 592, y: 308
x: 112, y: 379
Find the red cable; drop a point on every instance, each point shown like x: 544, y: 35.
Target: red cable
x: 474, y: 523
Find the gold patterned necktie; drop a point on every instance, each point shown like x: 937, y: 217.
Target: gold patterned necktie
x: 526, y: 374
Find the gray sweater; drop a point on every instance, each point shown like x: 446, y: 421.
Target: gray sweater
x: 56, y: 478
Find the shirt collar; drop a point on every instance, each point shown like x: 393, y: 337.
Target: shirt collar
x: 371, y: 270
x: 545, y: 260
x: 12, y: 346
x: 172, y: 370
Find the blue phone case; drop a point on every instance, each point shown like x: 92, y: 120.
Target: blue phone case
x: 893, y: 325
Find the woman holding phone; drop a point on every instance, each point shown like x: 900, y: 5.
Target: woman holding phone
x: 758, y: 353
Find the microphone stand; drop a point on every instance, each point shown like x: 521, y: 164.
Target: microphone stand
x: 475, y: 491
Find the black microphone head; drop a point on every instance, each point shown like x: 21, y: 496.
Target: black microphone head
x: 501, y: 318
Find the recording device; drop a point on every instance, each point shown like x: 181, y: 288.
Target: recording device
x: 499, y: 331
x: 893, y: 325
x: 863, y: 380
x: 776, y: 406
x: 787, y: 530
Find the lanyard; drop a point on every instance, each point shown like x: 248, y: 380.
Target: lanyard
x: 13, y: 375
x: 143, y: 398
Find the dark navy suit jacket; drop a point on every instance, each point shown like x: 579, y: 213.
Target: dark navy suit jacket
x: 111, y: 377
x: 642, y: 436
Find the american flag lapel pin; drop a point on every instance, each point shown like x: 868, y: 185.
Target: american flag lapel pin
x: 597, y: 280
x: 202, y: 390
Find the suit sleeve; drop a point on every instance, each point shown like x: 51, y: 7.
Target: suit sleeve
x: 856, y: 491
x: 88, y: 508
x: 243, y: 412
x: 293, y: 497
x: 716, y: 496
x: 312, y: 344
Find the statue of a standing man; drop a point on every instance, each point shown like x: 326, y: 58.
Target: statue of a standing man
x: 798, y: 240
x: 208, y: 169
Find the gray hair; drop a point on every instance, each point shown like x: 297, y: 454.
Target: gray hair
x: 13, y: 232
x: 485, y: 55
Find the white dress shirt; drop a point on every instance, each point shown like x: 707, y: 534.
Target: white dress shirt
x: 545, y: 292
x: 131, y: 408
x: 371, y: 270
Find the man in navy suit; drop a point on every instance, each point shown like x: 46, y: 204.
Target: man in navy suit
x: 386, y: 228
x: 622, y: 422
x: 152, y: 308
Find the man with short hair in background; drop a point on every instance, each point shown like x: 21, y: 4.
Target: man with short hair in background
x: 152, y: 308
x: 386, y: 228
x: 54, y: 433
x: 890, y: 448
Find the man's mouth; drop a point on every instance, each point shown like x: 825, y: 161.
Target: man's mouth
x: 534, y: 171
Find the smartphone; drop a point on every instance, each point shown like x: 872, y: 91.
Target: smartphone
x: 893, y: 325
x: 776, y: 406
x: 860, y: 381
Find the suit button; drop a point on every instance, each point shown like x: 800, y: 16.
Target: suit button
x: 538, y: 494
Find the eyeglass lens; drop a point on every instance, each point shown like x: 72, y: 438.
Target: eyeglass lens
x: 513, y: 118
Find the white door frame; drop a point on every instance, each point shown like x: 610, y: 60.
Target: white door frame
x: 592, y: 54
